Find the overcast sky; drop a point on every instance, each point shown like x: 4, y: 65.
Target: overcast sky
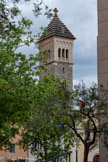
x: 80, y: 16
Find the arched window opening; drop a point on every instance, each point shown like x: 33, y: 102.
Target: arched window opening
x: 63, y: 69
x: 45, y: 54
x: 63, y: 51
x: 67, y: 53
x: 96, y: 158
x: 59, y: 52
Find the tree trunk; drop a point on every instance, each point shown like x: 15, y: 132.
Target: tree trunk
x: 86, y: 151
x: 45, y: 151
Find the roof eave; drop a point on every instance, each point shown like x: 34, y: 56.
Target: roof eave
x: 73, y: 38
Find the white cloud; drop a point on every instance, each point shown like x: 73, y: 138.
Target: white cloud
x: 80, y: 16
x: 88, y: 81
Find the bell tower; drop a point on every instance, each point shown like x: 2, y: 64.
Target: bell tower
x: 56, y: 44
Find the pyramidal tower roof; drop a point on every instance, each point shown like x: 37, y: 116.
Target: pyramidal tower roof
x: 56, y: 28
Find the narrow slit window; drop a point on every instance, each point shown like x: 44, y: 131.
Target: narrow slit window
x: 64, y: 84
x: 59, y: 52
x: 63, y: 69
x: 12, y: 148
x: 67, y: 53
x: 63, y: 51
x: 49, y: 54
x: 44, y: 55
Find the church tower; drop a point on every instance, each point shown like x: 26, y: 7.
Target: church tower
x: 56, y: 44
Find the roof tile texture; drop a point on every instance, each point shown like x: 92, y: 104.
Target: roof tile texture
x: 56, y: 28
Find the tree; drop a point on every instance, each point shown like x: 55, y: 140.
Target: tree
x: 18, y: 87
x: 43, y: 128
x: 86, y: 114
x: 82, y: 108
x: 18, y: 75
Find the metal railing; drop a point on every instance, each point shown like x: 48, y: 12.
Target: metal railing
x: 65, y: 157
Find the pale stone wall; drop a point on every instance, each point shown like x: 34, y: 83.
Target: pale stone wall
x: 102, y: 41
x: 63, y: 43
x: 53, y: 44
x: 59, y: 66
x: 103, y: 58
x: 47, y: 44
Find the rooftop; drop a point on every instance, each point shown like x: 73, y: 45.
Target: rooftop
x: 56, y: 28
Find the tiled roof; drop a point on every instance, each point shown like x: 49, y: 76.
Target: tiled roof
x: 56, y: 28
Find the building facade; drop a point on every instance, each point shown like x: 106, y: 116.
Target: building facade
x: 15, y: 153
x: 102, y: 44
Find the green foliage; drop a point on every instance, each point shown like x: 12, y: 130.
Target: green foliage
x: 24, y: 101
x: 38, y: 106
x: 42, y: 127
x: 54, y: 104
x: 17, y: 73
x: 38, y: 8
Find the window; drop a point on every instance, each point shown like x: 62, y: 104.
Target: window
x: 63, y: 51
x: 87, y: 135
x: 34, y: 146
x: 49, y: 54
x: 22, y: 160
x: 59, y: 52
x: 44, y: 55
x: 64, y: 84
x: 40, y: 147
x: 12, y: 148
x: 63, y: 69
x: 67, y: 55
